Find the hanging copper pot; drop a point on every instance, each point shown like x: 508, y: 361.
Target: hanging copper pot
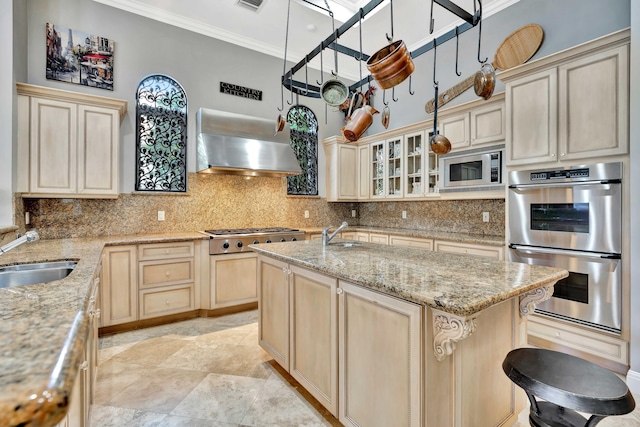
x: 391, y: 65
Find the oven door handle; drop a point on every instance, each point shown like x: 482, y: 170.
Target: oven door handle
x: 567, y: 252
x: 565, y: 184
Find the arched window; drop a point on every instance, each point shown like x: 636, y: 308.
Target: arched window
x: 161, y: 135
x: 304, y: 141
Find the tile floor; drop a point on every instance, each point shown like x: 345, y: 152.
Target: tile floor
x: 209, y: 372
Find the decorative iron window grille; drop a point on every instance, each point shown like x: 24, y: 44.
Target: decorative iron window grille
x: 304, y: 141
x: 161, y: 135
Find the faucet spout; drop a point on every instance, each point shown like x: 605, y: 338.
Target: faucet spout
x: 29, y: 236
x: 326, y: 237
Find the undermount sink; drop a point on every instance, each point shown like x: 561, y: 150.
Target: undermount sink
x: 346, y: 244
x: 28, y: 274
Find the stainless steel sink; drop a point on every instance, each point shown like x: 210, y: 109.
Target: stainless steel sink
x: 345, y: 244
x: 28, y: 274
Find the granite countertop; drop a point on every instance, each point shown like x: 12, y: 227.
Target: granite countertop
x: 424, y: 234
x: 43, y: 327
x: 457, y: 284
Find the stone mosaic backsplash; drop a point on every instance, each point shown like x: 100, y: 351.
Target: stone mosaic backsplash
x: 228, y: 201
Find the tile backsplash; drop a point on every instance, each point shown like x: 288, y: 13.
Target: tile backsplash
x: 228, y: 201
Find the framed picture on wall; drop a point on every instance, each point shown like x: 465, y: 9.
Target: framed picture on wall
x: 80, y: 58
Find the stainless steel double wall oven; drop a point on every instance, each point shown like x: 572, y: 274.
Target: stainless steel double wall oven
x: 571, y: 218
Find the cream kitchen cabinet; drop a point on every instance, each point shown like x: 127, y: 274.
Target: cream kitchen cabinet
x: 412, y: 242
x: 475, y: 126
x: 233, y: 279
x: 496, y: 252
x: 166, y: 279
x: 342, y: 173
x: 68, y: 142
x: 387, y: 168
x: 83, y: 393
x: 570, y: 106
x: 119, y: 285
x: 363, y: 172
x: 298, y: 326
x: 380, y: 349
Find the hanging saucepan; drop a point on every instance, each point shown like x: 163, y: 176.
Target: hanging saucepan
x: 485, y: 81
x: 391, y: 65
x: 334, y: 92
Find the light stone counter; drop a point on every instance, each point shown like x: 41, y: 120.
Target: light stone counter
x: 423, y: 234
x: 43, y: 327
x: 461, y: 285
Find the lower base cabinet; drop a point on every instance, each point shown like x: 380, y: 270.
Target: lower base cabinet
x: 233, y: 279
x: 380, y: 359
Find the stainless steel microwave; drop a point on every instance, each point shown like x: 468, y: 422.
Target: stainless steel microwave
x: 473, y: 168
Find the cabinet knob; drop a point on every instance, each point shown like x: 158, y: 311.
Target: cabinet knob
x: 339, y: 291
x: 168, y: 273
x: 562, y: 154
x: 167, y: 302
x: 84, y: 366
x: 167, y: 251
x: 553, y: 154
x: 557, y: 333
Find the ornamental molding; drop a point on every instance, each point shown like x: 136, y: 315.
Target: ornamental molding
x: 448, y: 329
x: 529, y: 300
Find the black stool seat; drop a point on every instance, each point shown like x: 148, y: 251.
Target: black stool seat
x: 567, y: 384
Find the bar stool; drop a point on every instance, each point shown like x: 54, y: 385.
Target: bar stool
x: 566, y: 384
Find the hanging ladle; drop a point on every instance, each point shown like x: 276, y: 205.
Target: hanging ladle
x: 439, y: 144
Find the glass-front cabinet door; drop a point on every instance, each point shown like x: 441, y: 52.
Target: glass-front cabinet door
x: 431, y: 164
x: 414, y: 151
x: 378, y: 158
x: 394, y: 167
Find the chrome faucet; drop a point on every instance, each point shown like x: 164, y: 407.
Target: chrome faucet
x: 29, y: 236
x: 326, y: 237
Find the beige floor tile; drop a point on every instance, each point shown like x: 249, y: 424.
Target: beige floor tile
x: 219, y: 397
x: 230, y: 359
x: 110, y: 416
x: 161, y: 390
x: 176, y: 421
x: 150, y: 352
x: 113, y: 377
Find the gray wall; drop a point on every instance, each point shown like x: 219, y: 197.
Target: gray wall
x: 144, y: 46
x: 6, y: 109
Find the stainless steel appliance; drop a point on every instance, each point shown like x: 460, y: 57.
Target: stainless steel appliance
x: 226, y: 241
x: 571, y: 218
x: 473, y: 168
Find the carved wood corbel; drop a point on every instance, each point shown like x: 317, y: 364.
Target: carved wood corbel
x: 447, y: 330
x: 529, y: 300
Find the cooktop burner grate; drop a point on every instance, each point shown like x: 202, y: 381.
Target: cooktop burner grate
x: 232, y: 231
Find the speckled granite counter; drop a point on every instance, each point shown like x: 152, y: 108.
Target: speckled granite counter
x: 424, y: 234
x: 456, y: 284
x: 43, y: 327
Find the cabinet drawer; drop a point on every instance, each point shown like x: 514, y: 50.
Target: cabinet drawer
x: 165, y: 250
x: 170, y: 300
x: 578, y: 339
x: 496, y: 252
x: 413, y: 242
x: 164, y: 273
x: 379, y: 238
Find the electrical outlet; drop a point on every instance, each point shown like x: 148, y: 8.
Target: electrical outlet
x: 485, y: 216
x: 353, y: 213
x: 160, y: 215
x: 306, y: 214
x: 404, y: 214
x: 27, y: 219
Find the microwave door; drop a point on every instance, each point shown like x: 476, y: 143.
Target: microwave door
x: 591, y: 295
x: 473, y: 170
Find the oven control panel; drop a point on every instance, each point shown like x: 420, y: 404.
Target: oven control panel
x: 560, y: 174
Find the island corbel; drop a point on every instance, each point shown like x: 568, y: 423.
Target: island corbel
x: 449, y: 329
x: 529, y: 299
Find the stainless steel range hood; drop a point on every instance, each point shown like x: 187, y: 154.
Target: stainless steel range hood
x: 236, y: 144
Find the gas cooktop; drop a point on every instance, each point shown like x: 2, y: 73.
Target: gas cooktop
x: 233, y: 240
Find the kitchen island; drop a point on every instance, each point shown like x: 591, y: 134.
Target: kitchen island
x: 385, y: 335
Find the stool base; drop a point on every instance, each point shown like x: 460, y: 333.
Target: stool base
x: 551, y: 415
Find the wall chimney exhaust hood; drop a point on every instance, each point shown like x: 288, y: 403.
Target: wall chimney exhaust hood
x: 235, y: 144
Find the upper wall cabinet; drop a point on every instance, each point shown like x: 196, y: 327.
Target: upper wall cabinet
x: 570, y: 105
x: 68, y: 143
x: 474, y: 127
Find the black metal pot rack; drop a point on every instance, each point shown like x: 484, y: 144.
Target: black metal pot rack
x: 305, y: 89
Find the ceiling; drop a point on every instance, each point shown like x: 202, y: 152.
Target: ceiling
x: 265, y: 30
